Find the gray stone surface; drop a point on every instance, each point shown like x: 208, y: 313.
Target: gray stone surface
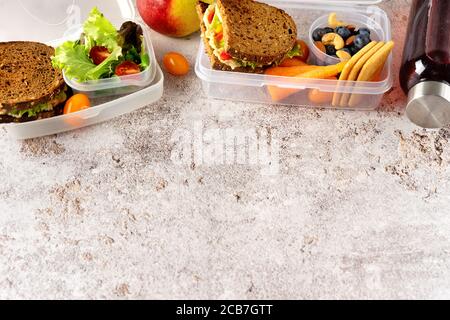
x: 358, y: 209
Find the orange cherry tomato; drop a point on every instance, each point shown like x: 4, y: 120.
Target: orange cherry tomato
x: 77, y: 103
x: 176, y: 64
x: 304, y: 49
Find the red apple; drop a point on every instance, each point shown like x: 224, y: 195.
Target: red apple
x: 175, y: 18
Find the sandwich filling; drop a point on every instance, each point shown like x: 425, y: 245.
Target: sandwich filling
x: 214, y: 34
x: 34, y: 110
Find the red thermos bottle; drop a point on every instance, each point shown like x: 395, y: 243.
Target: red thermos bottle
x: 425, y: 72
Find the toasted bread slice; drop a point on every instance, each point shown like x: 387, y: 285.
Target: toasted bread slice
x: 27, y: 76
x: 256, y: 32
x: 215, y: 62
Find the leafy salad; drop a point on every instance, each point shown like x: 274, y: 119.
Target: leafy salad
x: 103, y: 51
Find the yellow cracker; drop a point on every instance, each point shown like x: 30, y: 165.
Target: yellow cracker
x: 348, y: 68
x: 371, y: 68
x: 354, y: 73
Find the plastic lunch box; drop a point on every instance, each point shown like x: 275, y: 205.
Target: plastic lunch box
x: 253, y: 87
x: 116, y: 86
x: 54, y: 22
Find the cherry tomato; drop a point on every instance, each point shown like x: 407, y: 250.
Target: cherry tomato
x: 77, y: 103
x: 225, y: 56
x: 211, y: 16
x: 99, y: 54
x: 304, y: 50
x: 127, y: 68
x: 176, y: 64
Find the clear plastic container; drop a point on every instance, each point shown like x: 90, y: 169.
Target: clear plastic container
x: 255, y: 87
x: 359, y: 20
x: 53, y: 22
x: 117, y: 85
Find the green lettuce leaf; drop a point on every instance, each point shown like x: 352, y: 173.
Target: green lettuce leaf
x: 34, y: 111
x: 145, y: 61
x: 106, y: 68
x: 246, y: 64
x: 99, y: 31
x: 295, y: 52
x: 71, y: 57
x: 216, y: 23
x: 145, y: 58
x: 132, y: 55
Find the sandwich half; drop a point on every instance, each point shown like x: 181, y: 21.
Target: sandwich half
x: 245, y: 35
x: 30, y: 88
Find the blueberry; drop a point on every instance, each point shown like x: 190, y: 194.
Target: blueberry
x: 364, y: 31
x: 328, y: 30
x: 348, y: 51
x: 331, y: 50
x: 343, y: 32
x: 353, y: 50
x: 361, y: 41
x: 318, y: 34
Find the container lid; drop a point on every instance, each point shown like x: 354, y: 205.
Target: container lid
x: 48, y: 20
x: 429, y: 104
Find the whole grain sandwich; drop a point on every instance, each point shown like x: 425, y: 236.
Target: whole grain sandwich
x: 245, y: 35
x: 30, y: 88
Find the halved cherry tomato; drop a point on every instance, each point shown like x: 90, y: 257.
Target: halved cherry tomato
x: 176, y: 64
x: 211, y: 16
x: 225, y: 56
x: 127, y: 68
x: 304, y: 50
x: 99, y: 54
x: 77, y: 103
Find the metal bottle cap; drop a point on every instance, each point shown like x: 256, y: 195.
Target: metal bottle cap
x: 429, y: 104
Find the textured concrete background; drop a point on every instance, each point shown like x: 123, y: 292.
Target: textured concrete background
x: 360, y: 208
